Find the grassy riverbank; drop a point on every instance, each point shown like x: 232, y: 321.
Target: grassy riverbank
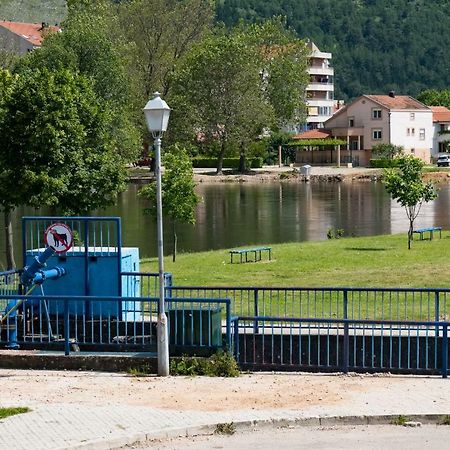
x: 379, y: 261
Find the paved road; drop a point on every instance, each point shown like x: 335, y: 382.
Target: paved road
x: 371, y: 437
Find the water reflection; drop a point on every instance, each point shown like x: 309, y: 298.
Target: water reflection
x: 245, y: 214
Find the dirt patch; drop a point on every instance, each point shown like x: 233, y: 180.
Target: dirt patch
x: 255, y: 391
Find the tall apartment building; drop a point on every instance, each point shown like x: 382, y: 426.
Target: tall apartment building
x: 320, y: 90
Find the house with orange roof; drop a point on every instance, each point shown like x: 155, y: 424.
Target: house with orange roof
x: 441, y: 130
x: 382, y: 119
x: 20, y: 38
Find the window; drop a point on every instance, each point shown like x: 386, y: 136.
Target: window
x: 408, y: 132
x: 351, y: 122
x: 413, y: 151
x: 412, y: 116
x: 376, y: 114
x: 376, y: 135
x: 422, y: 134
x: 413, y: 132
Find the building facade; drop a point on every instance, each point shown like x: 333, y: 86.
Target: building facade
x: 320, y: 90
x: 383, y: 119
x: 441, y: 130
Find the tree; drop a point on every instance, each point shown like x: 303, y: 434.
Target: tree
x: 178, y: 195
x: 387, y: 151
x: 56, y: 148
x: 229, y: 85
x: 433, y: 97
x: 161, y: 32
x: 92, y: 45
x: 407, y: 187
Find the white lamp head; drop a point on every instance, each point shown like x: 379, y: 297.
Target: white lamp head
x: 157, y: 114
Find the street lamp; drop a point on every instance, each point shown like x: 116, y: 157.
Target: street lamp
x: 157, y: 114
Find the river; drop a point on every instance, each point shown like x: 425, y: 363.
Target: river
x: 240, y: 214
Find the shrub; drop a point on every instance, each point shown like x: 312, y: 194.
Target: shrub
x: 221, y: 364
x: 335, y: 234
x: 381, y: 163
x: 232, y: 163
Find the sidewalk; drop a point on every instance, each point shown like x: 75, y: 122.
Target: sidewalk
x: 136, y: 408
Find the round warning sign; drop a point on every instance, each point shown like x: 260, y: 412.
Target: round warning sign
x: 59, y: 237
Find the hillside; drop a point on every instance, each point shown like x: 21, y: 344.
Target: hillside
x: 51, y: 11
x: 377, y: 45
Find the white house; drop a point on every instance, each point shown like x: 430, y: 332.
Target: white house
x: 375, y: 119
x: 441, y: 130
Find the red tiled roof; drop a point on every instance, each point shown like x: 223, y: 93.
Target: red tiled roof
x: 312, y: 134
x: 32, y: 32
x: 397, y: 102
x: 440, y: 113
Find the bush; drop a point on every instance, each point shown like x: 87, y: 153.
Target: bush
x: 221, y: 364
x: 232, y: 163
x: 382, y: 163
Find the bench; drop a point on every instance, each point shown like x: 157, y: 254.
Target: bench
x: 430, y: 230
x: 256, y: 253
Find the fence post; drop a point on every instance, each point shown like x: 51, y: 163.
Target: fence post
x: 346, y: 334
x: 255, y: 324
x: 236, y: 339
x: 436, y: 311
x: 66, y: 328
x: 444, y: 350
x: 228, y: 311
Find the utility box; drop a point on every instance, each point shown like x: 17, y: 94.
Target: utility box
x: 305, y: 170
x: 196, y: 327
x: 95, y: 271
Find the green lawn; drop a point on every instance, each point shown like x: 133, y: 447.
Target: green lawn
x: 380, y: 261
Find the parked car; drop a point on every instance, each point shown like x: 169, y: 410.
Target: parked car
x: 443, y: 160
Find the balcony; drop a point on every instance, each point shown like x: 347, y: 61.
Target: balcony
x: 320, y: 87
x: 320, y: 71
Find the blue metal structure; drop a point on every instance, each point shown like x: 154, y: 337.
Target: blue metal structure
x: 93, y: 265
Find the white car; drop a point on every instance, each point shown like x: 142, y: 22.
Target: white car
x: 443, y: 160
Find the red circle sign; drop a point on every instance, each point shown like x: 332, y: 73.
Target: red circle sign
x: 59, y: 237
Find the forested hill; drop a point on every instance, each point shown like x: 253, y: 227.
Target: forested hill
x: 51, y: 11
x: 377, y: 45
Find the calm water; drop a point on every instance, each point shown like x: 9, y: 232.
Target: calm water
x: 241, y: 214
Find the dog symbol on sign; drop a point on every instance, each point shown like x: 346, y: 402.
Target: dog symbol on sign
x: 59, y: 236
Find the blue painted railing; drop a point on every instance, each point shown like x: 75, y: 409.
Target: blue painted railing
x: 402, y: 304
x: 203, y: 322
x: 341, y: 345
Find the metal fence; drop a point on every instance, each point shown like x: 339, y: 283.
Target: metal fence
x: 44, y: 321
x: 341, y: 345
x: 363, y: 329
x: 401, y: 304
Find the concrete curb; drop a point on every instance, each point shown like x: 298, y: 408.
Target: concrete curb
x: 250, y: 425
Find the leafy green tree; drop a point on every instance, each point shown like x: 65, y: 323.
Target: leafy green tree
x: 387, y: 151
x: 433, y: 97
x: 407, y: 187
x: 56, y: 147
x: 179, y: 199
x: 161, y: 32
x: 227, y: 86
x: 92, y: 45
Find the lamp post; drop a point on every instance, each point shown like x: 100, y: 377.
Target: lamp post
x: 157, y: 114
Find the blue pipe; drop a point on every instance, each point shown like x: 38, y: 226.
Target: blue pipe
x: 39, y: 261
x: 32, y: 274
x: 49, y: 274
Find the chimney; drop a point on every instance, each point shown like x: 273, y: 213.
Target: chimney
x: 392, y: 94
